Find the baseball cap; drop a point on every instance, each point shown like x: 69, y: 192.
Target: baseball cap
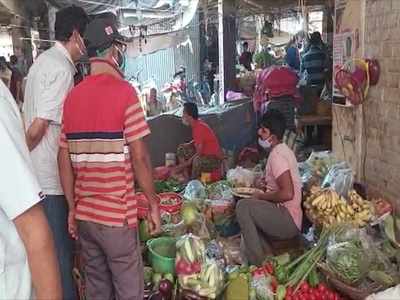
x: 101, y: 33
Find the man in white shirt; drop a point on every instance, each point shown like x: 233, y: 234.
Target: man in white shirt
x: 27, y: 254
x: 50, y: 79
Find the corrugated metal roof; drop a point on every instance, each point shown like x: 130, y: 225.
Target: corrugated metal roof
x: 161, y: 65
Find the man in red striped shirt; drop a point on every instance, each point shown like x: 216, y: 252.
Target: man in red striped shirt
x: 101, y: 154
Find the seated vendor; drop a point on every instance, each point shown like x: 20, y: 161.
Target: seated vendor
x: 203, y: 154
x: 275, y: 213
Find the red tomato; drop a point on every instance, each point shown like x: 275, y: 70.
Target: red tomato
x: 330, y: 295
x: 274, y: 284
x: 317, y: 294
x: 312, y: 297
x: 269, y: 268
x: 336, y: 297
x: 289, y: 291
x: 304, y: 287
x: 289, y: 297
x: 303, y: 297
x: 322, y: 288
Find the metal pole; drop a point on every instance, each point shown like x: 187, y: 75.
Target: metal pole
x: 221, y: 83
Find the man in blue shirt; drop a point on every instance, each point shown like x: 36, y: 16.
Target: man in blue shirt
x: 313, y: 63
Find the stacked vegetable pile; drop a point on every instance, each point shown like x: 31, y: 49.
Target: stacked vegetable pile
x: 326, y: 207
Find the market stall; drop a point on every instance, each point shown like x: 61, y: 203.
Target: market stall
x: 349, y: 248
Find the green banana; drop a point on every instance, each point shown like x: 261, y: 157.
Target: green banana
x: 189, y: 252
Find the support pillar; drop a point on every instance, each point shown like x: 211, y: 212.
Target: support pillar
x: 227, y: 46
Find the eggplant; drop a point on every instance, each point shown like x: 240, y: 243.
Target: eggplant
x: 166, y: 288
x: 156, y: 296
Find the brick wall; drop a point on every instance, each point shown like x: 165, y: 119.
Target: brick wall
x: 381, y: 127
x: 382, y: 110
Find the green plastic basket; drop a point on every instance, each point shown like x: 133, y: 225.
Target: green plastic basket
x: 162, y: 252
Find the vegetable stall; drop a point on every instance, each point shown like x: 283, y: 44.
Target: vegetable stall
x: 350, y: 250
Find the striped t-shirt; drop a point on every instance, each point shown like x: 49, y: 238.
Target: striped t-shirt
x: 102, y: 116
x: 314, y: 62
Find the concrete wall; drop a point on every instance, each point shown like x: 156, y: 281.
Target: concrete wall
x: 374, y: 147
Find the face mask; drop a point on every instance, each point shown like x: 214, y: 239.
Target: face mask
x: 120, y: 62
x: 81, y: 51
x: 265, y: 144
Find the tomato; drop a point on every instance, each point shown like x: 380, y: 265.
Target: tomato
x: 322, y: 288
x: 304, y: 287
x: 317, y: 294
x: 336, y: 297
x: 303, y: 297
x: 269, y: 268
x: 289, y: 291
x: 289, y: 297
x: 330, y: 295
x: 274, y: 284
x: 312, y: 297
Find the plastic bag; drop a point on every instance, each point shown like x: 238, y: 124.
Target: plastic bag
x: 389, y: 294
x: 347, y: 256
x: 208, y: 282
x: 220, y: 191
x: 306, y: 172
x: 339, y: 178
x: 315, y: 168
x: 231, y: 251
x: 221, y: 213
x: 195, y: 191
x: 174, y: 230
x: 240, y: 177
x: 321, y: 162
x: 261, y: 288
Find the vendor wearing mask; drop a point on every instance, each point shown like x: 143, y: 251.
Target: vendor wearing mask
x: 274, y: 214
x: 203, y: 154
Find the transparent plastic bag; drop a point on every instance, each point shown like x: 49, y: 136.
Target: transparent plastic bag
x: 321, y: 162
x: 231, y: 251
x: 306, y: 173
x: 347, y: 256
x: 339, y: 178
x: 240, y: 177
x: 195, y: 191
x: 220, y: 191
x: 261, y: 287
x: 174, y: 230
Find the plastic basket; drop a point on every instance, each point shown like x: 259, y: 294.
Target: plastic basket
x: 162, y: 252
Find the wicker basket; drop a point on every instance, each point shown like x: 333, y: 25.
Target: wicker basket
x: 355, y: 293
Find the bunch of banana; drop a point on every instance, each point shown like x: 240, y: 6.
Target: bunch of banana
x: 325, y: 206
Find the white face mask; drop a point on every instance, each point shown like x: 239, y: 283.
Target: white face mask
x: 81, y: 51
x: 265, y: 144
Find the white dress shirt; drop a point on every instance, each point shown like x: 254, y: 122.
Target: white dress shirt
x: 50, y: 79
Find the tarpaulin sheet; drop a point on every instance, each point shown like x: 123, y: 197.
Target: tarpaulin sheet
x: 234, y: 125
